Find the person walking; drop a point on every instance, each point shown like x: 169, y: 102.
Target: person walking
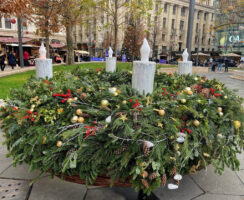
x: 11, y: 60
x: 26, y: 59
x: 227, y: 62
x: 2, y: 61
x: 221, y: 62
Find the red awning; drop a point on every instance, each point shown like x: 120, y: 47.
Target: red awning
x: 55, y: 45
x: 14, y: 40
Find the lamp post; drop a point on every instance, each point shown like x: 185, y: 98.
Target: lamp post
x: 21, y: 55
x: 190, y: 27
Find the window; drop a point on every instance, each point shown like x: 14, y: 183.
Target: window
x: 209, y: 41
x: 24, y: 24
x: 198, y: 14
x: 212, y: 17
x: 207, y: 2
x: 164, y: 22
x: 180, y: 37
x: 156, y: 7
x: 205, y: 16
x: 181, y: 25
x: 1, y: 22
x: 164, y: 48
x: 102, y: 20
x: 126, y: 19
x: 165, y: 7
x: 173, y: 24
x: 203, y: 28
x: 149, y: 21
x: 174, y: 9
x: 183, y: 11
x: 196, y: 38
x: 7, y: 23
x: 202, y: 49
x: 203, y: 40
x: 94, y: 36
x: 163, y: 37
x: 138, y: 21
x: 155, y: 19
x: 196, y: 27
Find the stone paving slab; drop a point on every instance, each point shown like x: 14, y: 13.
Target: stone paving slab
x: 227, y: 183
x: 104, y: 194
x: 19, y: 172
x: 219, y: 197
x: 240, y: 174
x: 241, y: 159
x: 186, y: 191
x: 13, y: 189
x: 56, y: 189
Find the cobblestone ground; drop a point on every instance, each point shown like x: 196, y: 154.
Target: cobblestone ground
x: 14, y: 182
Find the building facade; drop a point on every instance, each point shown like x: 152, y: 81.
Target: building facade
x: 166, y: 28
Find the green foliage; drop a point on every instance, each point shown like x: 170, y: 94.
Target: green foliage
x: 39, y: 115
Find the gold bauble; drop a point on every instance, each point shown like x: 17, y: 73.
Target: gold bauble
x: 237, y: 124
x: 189, y: 92
x: 33, y: 106
x: 225, y: 97
x: 199, y: 101
x: 196, y: 122
x: 124, y: 102
x: 172, y: 137
x: 70, y: 100
x: 183, y: 101
x: 161, y: 112
x: 144, y: 174
x: 104, y: 102
x: 221, y: 114
x: 59, y: 143
x: 219, y: 109
x: 74, y: 119
x: 80, y: 120
x: 79, y: 112
x: 116, y: 94
x: 177, y: 146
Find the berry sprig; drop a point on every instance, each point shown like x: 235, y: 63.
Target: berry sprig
x: 65, y: 96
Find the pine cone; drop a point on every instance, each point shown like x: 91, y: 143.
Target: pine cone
x: 173, y: 171
x: 145, y: 183
x: 146, y: 150
x: 83, y: 95
x: 205, y: 92
x: 152, y: 176
x: 118, y: 152
x: 144, y: 174
x: 124, y: 147
x: 164, y: 180
x: 177, y: 182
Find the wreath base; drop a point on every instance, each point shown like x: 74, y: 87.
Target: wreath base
x: 105, y: 182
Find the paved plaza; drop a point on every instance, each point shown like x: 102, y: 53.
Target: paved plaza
x: 14, y: 182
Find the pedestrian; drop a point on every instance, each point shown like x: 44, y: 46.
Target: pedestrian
x: 2, y: 61
x: 26, y: 58
x: 227, y: 61
x: 214, y: 64
x: 11, y: 60
x: 221, y: 62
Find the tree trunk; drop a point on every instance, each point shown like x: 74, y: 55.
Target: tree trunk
x: 21, y: 55
x: 70, y: 46
x: 115, y: 27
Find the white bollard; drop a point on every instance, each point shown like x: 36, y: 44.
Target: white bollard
x: 144, y: 71
x: 143, y: 76
x: 110, y: 64
x: 44, y: 68
x: 185, y: 67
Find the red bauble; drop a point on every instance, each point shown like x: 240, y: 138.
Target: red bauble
x: 27, y: 32
x: 13, y: 21
x: 230, y: 20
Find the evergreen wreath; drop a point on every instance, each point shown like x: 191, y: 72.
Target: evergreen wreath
x: 90, y: 123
